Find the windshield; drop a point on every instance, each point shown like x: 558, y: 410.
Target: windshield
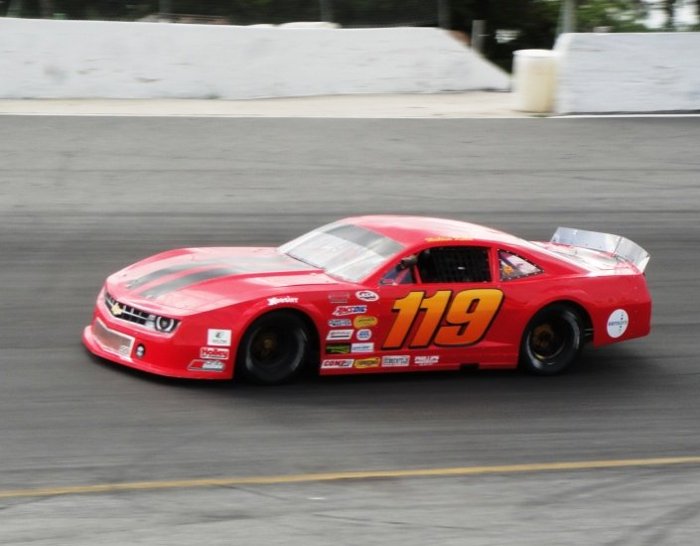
x: 343, y: 250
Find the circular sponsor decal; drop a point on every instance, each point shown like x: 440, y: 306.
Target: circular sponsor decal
x: 617, y: 323
x: 366, y: 295
x: 364, y: 334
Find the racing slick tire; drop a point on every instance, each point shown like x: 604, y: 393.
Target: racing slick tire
x: 552, y: 340
x: 274, y: 349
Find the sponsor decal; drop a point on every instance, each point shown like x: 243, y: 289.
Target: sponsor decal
x: 339, y: 335
x: 396, y: 361
x: 426, y: 360
x: 338, y: 348
x: 339, y: 297
x: 343, y: 310
x: 213, y: 353
x: 339, y: 322
x: 207, y: 365
x: 283, y: 299
x: 617, y: 323
x: 363, y: 363
x: 362, y: 348
x: 219, y: 338
x: 336, y: 363
x: 366, y: 295
x: 364, y: 334
x: 468, y: 315
x: 365, y: 321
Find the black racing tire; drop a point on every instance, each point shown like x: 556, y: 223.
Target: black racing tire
x: 274, y: 349
x: 552, y: 340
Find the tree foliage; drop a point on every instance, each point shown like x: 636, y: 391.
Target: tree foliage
x: 616, y: 15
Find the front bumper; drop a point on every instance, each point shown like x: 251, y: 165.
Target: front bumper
x: 172, y: 355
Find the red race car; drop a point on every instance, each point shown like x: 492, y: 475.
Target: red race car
x: 374, y: 294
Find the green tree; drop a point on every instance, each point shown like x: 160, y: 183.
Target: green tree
x: 615, y: 15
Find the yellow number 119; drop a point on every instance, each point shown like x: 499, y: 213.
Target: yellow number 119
x: 466, y: 318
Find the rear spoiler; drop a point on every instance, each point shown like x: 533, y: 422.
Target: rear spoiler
x: 604, y: 242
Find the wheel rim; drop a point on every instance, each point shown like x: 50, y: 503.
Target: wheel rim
x: 547, y: 341
x: 552, y: 340
x: 269, y: 346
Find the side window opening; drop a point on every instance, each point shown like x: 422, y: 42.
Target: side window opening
x: 511, y: 266
x: 454, y: 264
x: 399, y: 275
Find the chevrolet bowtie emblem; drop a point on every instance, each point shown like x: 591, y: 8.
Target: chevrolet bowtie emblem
x: 116, y: 309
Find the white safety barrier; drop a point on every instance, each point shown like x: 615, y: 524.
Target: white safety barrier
x: 97, y: 59
x: 646, y: 72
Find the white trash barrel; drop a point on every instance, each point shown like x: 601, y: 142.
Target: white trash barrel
x: 534, y: 79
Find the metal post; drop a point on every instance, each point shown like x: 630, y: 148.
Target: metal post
x: 568, y: 16
x: 326, y: 8
x: 444, y: 19
x: 165, y: 7
x: 478, y: 27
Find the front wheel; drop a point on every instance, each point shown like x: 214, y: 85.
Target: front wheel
x: 274, y: 349
x: 552, y: 340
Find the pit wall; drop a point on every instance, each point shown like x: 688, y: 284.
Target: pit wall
x: 610, y: 73
x: 98, y: 59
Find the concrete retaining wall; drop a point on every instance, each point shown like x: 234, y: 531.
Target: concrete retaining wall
x: 649, y: 72
x: 95, y: 59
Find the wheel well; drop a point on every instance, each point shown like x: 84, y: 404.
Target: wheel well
x: 582, y: 312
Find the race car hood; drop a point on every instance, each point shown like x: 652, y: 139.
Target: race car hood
x: 198, y: 278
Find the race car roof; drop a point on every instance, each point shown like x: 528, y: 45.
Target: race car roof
x: 410, y: 230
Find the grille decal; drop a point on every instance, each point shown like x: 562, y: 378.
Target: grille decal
x: 125, y: 312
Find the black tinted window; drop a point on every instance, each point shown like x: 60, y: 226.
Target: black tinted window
x: 454, y: 264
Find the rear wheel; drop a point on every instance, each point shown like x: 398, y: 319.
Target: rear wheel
x: 552, y: 340
x: 274, y: 349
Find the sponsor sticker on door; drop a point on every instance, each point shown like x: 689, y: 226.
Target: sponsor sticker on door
x: 364, y: 321
x: 364, y: 334
x: 364, y: 363
x: 396, y: 361
x: 339, y: 335
x: 344, y: 310
x: 366, y: 295
x: 362, y: 348
x: 336, y: 363
x: 338, y: 348
x: 426, y: 360
x: 339, y: 322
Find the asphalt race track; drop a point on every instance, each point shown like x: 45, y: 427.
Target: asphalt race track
x: 81, y: 197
